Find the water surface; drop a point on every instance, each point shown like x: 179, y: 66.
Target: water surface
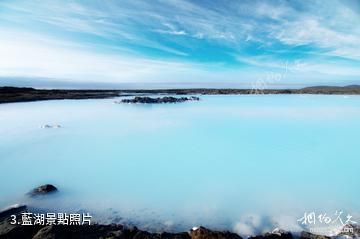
x: 245, y: 163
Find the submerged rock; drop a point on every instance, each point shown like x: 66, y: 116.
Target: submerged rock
x: 204, y: 233
x: 48, y: 126
x: 43, y: 190
x: 159, y: 100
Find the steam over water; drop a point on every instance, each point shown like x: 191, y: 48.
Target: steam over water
x: 243, y: 163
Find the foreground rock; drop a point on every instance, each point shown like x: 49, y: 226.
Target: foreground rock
x: 43, y: 190
x: 276, y: 234
x: 159, y: 100
x: 108, y: 231
x: 350, y: 231
x: 14, y: 209
x: 94, y: 231
x: 308, y: 235
x: 122, y: 232
x: 204, y: 233
x: 9, y: 230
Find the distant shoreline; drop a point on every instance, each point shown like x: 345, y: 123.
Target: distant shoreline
x: 19, y: 94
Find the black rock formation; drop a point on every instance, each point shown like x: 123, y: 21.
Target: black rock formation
x: 159, y: 100
x: 43, y: 190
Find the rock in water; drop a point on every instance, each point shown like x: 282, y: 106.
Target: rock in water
x: 43, y: 190
x: 160, y: 100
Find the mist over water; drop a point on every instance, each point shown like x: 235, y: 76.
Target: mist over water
x: 243, y: 163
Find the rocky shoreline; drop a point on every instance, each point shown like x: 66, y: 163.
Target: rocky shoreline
x: 120, y: 231
x: 16, y: 94
x: 9, y: 229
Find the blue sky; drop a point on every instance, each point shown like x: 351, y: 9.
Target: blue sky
x: 180, y: 42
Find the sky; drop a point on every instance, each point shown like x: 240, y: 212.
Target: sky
x: 179, y: 43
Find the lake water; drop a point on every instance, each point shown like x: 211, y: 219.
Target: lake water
x: 246, y: 163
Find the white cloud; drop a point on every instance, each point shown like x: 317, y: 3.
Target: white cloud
x: 233, y: 26
x: 26, y: 55
x: 171, y: 32
x: 231, y: 23
x: 29, y: 55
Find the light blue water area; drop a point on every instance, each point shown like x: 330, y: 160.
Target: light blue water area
x: 225, y: 161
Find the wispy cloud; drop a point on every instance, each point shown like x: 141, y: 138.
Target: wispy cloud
x: 37, y: 56
x: 130, y: 39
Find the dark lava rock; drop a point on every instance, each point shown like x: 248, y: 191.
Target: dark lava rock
x: 276, y: 234
x: 86, y: 231
x: 308, y: 235
x: 82, y: 231
x: 159, y: 100
x: 203, y: 233
x: 14, y: 94
x: 9, y: 231
x: 12, y: 231
x: 13, y: 210
x: 23, y: 232
x: 143, y: 235
x: 121, y: 232
x: 43, y: 190
x: 135, y: 233
x: 180, y: 235
x: 351, y: 231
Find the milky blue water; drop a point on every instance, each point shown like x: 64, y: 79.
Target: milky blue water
x: 244, y: 163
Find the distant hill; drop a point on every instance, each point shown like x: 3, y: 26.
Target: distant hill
x: 333, y: 87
